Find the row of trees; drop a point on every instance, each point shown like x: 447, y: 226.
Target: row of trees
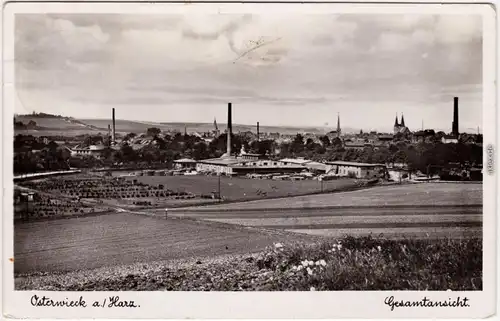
x: 19, y: 125
x: 165, y: 149
x: 50, y: 158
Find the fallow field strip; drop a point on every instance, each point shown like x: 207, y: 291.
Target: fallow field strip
x: 428, y: 194
x: 123, y: 238
x: 416, y: 210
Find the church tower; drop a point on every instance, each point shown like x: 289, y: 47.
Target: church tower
x: 396, y: 125
x: 400, y: 127
x: 338, y: 125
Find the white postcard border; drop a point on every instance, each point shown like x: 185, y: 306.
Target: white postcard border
x: 307, y: 305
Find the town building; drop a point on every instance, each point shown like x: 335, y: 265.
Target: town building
x: 355, y: 145
x: 423, y: 136
x: 185, y: 163
x: 358, y: 170
x: 272, y: 136
x: 386, y: 138
x: 449, y: 139
x: 92, y: 150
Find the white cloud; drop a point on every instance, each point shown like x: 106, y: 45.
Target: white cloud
x: 78, y: 37
x: 317, y: 56
x: 454, y: 29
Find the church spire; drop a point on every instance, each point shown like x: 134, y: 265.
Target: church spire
x: 338, y: 124
x: 396, y: 121
x: 402, y: 121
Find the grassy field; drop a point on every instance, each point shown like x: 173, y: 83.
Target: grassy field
x: 240, y: 189
x: 417, y: 211
x: 114, y: 239
x: 412, y: 194
x: 347, y: 264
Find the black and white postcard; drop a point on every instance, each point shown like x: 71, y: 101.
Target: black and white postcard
x: 250, y: 160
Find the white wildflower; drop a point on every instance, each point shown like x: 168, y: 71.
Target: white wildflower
x: 278, y: 245
x: 309, y: 271
x: 299, y: 268
x: 379, y: 248
x: 311, y: 263
x: 317, y: 263
x: 322, y: 262
x: 312, y: 288
x: 329, y: 251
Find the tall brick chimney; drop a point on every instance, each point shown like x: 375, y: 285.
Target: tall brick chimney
x: 455, y: 117
x: 229, y: 129
x: 258, y: 132
x: 114, y: 127
x: 109, y: 134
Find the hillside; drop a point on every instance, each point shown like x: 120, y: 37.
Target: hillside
x: 55, y: 124
x: 52, y: 124
x: 287, y: 130
x: 125, y: 126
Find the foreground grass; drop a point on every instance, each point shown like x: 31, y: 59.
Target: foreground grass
x: 348, y: 264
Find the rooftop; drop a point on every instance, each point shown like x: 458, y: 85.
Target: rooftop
x: 354, y: 164
x: 317, y: 166
x: 276, y: 167
x: 295, y: 160
x: 250, y: 154
x: 221, y: 161
x: 184, y: 160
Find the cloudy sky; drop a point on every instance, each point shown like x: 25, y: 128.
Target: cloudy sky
x: 292, y: 69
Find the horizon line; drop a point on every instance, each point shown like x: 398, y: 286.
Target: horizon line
x: 242, y: 124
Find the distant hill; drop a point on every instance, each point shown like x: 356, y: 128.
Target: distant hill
x: 54, y: 123
x: 124, y: 126
x: 70, y: 126
x: 287, y: 130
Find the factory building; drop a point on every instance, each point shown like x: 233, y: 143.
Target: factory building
x: 185, y: 163
x: 359, y: 170
x: 240, y: 166
x: 310, y: 165
x: 245, y: 163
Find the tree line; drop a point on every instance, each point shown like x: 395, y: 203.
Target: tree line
x: 164, y: 149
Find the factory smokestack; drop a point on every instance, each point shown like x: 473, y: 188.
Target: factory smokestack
x: 455, y: 117
x: 229, y: 129
x: 258, y: 132
x: 109, y: 135
x: 113, y: 140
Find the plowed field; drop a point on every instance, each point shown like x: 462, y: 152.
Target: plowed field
x: 115, y: 239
